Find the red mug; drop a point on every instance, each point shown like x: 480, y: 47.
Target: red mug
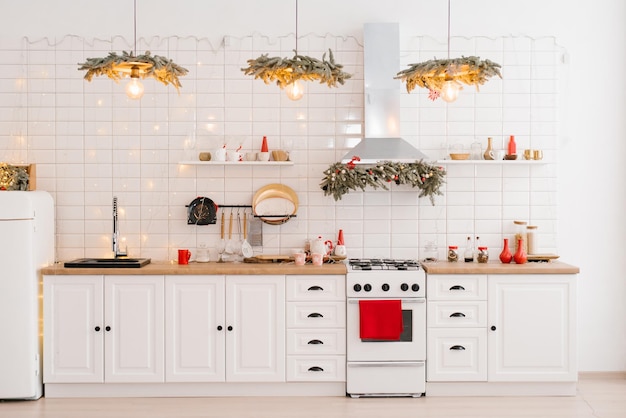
x: 184, y: 256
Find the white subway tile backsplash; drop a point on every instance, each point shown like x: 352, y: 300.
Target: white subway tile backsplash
x: 90, y: 142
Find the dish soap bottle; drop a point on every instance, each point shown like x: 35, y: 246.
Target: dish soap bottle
x: 468, y: 255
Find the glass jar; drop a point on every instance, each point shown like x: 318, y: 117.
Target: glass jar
x: 453, y: 253
x: 520, y: 234
x: 531, y: 239
x: 430, y: 252
x: 483, y: 255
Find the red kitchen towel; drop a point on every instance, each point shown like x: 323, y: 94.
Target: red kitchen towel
x: 380, y: 319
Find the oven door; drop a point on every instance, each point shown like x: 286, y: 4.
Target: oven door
x: 410, y: 347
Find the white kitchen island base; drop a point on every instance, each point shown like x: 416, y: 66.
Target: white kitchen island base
x: 181, y: 390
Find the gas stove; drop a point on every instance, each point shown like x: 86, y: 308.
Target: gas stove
x: 385, y: 279
x: 368, y: 264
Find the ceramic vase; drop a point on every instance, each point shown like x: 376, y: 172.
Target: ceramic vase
x: 520, y: 256
x: 506, y: 256
x: 487, y: 154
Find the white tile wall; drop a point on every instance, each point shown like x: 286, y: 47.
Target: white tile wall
x: 91, y: 143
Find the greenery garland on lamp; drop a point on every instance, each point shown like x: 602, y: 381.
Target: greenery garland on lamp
x: 340, y: 178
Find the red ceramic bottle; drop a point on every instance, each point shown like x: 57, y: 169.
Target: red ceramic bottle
x: 505, y: 255
x: 520, y: 256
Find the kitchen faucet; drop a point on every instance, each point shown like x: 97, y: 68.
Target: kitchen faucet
x: 116, y: 233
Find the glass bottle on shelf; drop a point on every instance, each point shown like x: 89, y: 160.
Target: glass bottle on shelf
x: 520, y: 234
x: 531, y: 239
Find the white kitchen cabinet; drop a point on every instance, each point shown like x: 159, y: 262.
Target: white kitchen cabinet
x: 532, y: 331
x: 456, y: 328
x: 225, y: 328
x: 73, y: 329
x: 316, y: 329
x: 528, y: 335
x: 103, y: 329
x: 194, y: 329
x: 255, y: 328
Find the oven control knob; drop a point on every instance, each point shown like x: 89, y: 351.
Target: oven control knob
x: 367, y: 287
x: 415, y: 287
x: 357, y: 287
x: 385, y: 287
x: 404, y: 287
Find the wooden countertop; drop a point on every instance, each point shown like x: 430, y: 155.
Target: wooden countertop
x: 496, y: 267
x: 166, y: 268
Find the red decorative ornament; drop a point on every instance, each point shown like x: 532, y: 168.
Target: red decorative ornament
x: 351, y: 165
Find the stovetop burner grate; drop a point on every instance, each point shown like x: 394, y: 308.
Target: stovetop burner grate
x: 382, y: 264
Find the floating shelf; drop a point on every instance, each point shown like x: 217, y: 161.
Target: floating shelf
x: 238, y: 163
x: 492, y: 162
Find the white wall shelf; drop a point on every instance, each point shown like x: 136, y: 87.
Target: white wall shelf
x: 492, y: 162
x: 268, y: 163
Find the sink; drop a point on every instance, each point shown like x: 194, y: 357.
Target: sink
x: 107, y: 263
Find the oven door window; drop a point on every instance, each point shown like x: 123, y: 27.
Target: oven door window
x: 407, y: 329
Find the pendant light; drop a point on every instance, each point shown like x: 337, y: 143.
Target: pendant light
x: 133, y: 66
x: 443, y: 77
x: 290, y: 73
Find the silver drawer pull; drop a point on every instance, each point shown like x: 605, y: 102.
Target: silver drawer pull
x: 457, y: 348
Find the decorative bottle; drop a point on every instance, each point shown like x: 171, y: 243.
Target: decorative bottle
x: 486, y: 155
x: 505, y: 255
x: 520, y: 256
x: 512, y: 147
x: 468, y: 255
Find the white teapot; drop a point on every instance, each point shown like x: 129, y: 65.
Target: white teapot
x: 319, y: 246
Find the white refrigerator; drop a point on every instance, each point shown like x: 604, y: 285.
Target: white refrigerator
x: 26, y: 245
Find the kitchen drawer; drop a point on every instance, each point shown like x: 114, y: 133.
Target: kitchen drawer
x: 316, y: 288
x: 314, y: 341
x: 316, y: 314
x: 457, y: 314
x: 457, y: 355
x: 456, y: 287
x: 316, y: 368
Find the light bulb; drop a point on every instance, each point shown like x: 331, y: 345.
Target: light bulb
x: 450, y: 91
x: 295, y: 90
x: 134, y: 89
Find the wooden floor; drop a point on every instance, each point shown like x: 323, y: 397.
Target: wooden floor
x: 598, y: 397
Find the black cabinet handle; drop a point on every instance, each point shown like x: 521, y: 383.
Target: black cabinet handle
x: 97, y: 329
x: 457, y: 348
x: 315, y: 315
x: 230, y: 328
x: 107, y: 328
x: 316, y: 369
x: 219, y: 327
x: 457, y: 315
x: 457, y: 287
x: 315, y: 342
x: 315, y: 288
x: 493, y: 327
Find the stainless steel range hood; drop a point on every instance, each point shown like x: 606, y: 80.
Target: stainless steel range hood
x: 381, y: 63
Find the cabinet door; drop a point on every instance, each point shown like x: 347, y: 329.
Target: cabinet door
x: 532, y: 328
x: 134, y: 329
x: 73, y: 329
x: 255, y: 328
x: 194, y: 329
